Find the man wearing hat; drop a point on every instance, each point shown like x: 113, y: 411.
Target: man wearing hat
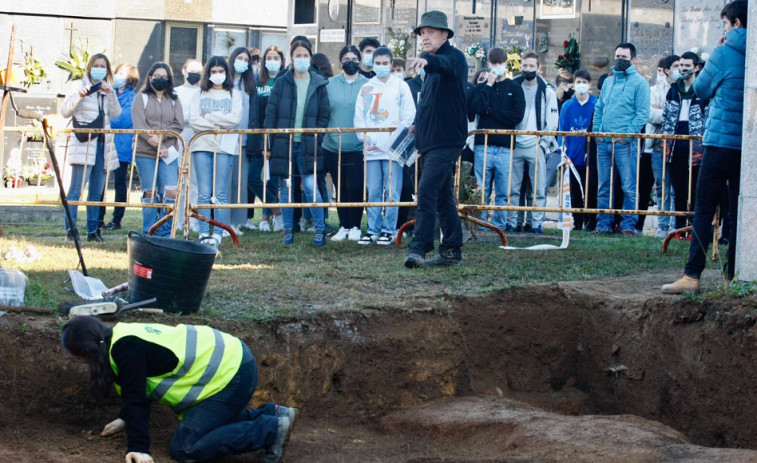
x: 441, y: 128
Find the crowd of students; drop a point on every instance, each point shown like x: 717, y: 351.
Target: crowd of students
x: 250, y: 90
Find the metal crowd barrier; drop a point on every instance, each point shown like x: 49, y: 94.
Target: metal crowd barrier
x: 466, y: 210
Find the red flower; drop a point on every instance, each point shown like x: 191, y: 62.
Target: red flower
x: 565, y: 44
x: 47, y: 165
x: 560, y: 58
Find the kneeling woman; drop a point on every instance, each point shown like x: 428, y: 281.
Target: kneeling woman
x: 207, y: 377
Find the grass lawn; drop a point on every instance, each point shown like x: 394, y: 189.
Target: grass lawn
x: 262, y: 279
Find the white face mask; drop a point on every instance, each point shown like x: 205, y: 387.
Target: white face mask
x: 582, y: 89
x: 218, y: 79
x: 399, y: 75
x: 273, y: 66
x: 499, y: 70
x: 661, y: 79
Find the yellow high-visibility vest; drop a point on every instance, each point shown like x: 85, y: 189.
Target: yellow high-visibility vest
x: 208, y: 360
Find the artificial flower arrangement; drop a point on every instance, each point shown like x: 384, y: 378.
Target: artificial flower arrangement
x: 476, y: 51
x: 570, y: 60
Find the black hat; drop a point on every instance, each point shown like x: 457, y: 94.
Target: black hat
x: 435, y: 19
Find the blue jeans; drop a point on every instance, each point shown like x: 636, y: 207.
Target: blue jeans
x: 625, y: 163
x: 168, y: 176
x: 307, y: 184
x: 202, y: 164
x: 497, y: 172
x: 221, y: 425
x: 525, y: 158
x: 255, y: 184
x: 663, y: 222
x: 436, y: 195
x: 378, y: 182
x: 95, y: 187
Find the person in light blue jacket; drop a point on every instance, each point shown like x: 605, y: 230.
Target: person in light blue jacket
x: 623, y: 107
x: 125, y: 80
x: 722, y: 81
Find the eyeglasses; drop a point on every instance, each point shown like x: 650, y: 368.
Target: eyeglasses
x: 354, y: 60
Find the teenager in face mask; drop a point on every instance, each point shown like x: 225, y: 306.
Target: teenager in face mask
x: 240, y: 65
x: 273, y: 63
x: 192, y: 73
x: 157, y: 107
x: 343, y: 91
x: 125, y: 81
x: 94, y: 103
x: 298, y: 100
x: 216, y: 107
x: 398, y: 68
x: 367, y: 46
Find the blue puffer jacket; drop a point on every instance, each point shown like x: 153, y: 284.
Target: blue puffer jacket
x: 123, y: 142
x: 722, y: 81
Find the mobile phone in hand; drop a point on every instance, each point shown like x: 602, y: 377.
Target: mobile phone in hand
x: 94, y: 88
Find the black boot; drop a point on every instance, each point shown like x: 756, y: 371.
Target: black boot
x: 95, y: 236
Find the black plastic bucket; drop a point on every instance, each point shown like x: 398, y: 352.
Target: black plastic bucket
x: 174, y: 271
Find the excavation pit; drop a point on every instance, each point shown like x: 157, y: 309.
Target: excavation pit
x: 571, y: 372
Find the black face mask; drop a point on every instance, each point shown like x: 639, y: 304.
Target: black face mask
x: 159, y: 83
x: 622, y: 64
x: 567, y: 94
x: 350, y: 68
x: 193, y: 77
x: 686, y: 74
x: 529, y: 75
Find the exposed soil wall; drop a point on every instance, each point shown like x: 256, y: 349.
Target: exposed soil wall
x: 359, y: 379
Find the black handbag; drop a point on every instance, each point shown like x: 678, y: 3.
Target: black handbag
x: 97, y: 123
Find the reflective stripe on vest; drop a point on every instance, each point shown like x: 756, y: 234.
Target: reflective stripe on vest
x: 207, y: 360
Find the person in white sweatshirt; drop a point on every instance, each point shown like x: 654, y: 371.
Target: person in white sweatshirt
x: 217, y: 107
x: 91, y: 156
x: 384, y: 101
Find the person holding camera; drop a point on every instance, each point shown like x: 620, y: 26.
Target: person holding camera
x: 91, y: 154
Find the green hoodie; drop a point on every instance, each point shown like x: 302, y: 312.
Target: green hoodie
x: 342, y: 98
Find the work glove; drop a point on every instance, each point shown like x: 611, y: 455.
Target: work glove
x: 114, y: 427
x: 136, y: 457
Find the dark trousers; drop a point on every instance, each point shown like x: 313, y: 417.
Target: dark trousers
x: 119, y: 183
x: 719, y: 166
x: 436, y: 196
x: 255, y: 185
x: 590, y: 220
x: 349, y: 185
x: 408, y: 188
x: 577, y: 196
x: 646, y: 182
x: 221, y: 425
x: 679, y: 179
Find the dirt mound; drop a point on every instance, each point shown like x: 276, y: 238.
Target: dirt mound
x: 441, y: 383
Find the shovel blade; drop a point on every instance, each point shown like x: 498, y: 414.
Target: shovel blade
x: 94, y: 309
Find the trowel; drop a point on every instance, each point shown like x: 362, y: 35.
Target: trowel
x: 113, y: 307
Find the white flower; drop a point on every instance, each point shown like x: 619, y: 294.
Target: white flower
x: 705, y: 56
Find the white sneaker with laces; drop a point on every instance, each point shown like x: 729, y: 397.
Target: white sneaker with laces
x: 265, y: 226
x: 236, y: 230
x: 341, y: 235
x: 354, y: 234
x: 278, y: 223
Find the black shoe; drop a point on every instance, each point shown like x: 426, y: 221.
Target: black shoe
x: 95, y: 237
x: 527, y: 228
x: 445, y: 258
x: 414, y: 260
x: 112, y: 226
x: 69, y: 235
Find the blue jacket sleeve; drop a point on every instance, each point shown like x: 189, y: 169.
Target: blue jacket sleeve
x: 642, y: 107
x: 124, y: 120
x: 711, y: 76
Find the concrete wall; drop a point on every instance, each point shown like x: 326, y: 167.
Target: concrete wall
x: 746, y: 245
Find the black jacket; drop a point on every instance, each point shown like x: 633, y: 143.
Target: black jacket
x: 501, y: 106
x: 254, y: 146
x: 441, y: 120
x: 280, y: 114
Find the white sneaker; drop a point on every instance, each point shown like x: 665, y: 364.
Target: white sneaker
x: 354, y: 234
x: 341, y: 235
x: 278, y: 223
x: 265, y: 226
x: 250, y: 225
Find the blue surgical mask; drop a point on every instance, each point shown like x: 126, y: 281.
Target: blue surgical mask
x: 273, y: 66
x: 676, y: 75
x: 382, y: 70
x: 301, y: 64
x: 240, y: 66
x: 582, y: 89
x: 661, y: 79
x: 98, y: 74
x: 119, y: 80
x: 368, y: 60
x: 499, y: 70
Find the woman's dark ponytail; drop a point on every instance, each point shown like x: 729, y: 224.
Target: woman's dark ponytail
x: 88, y: 337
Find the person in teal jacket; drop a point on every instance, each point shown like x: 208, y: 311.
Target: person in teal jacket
x: 206, y: 376
x: 721, y: 81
